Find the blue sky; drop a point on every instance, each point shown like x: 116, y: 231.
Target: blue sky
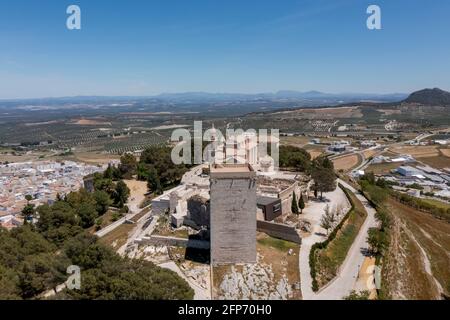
x: 145, y: 47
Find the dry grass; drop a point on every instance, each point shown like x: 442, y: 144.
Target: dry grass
x: 168, y: 232
x: 95, y: 158
x: 445, y: 152
x: 347, y: 162
x: 404, y: 272
x: 140, y: 215
x: 275, y: 253
x: 382, y: 168
x: 272, y: 253
x: 295, y: 141
x: 369, y: 153
x: 324, y: 113
x: 438, y: 162
x: 91, y: 122
x: 107, y: 219
x: 118, y: 237
x: 315, y: 153
x: 417, y: 151
x: 137, y: 191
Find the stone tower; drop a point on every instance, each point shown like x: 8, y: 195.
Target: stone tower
x: 233, y: 214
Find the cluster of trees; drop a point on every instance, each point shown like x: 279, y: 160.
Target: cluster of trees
x: 155, y: 166
x: 294, y: 158
x: 321, y: 168
x: 66, y: 217
x: 34, y: 257
x: 28, y: 264
x: 31, y: 264
x: 376, y: 190
x: 322, y: 172
x: 111, y: 183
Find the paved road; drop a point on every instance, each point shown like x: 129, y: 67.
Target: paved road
x: 347, y: 276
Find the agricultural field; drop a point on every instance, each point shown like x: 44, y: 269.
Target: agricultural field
x: 296, y: 141
x: 369, y: 153
x: 314, y: 150
x: 383, y: 168
x: 323, y: 113
x: 347, y: 163
x: 417, y: 151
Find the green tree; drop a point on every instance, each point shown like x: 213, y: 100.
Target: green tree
x: 102, y: 200
x: 128, y: 165
x: 294, y: 205
x: 301, y: 203
x: 294, y: 158
x: 323, y: 175
x: 122, y: 192
x: 9, y: 289
x: 28, y: 212
x: 328, y: 219
x: 87, y: 214
x: 153, y: 181
x: 377, y: 240
x: 159, y: 158
x: 112, y: 173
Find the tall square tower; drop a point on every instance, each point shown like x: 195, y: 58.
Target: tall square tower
x: 233, y: 213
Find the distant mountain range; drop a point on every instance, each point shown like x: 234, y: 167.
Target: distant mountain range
x: 311, y: 96
x: 434, y: 97
x: 305, y: 99
x: 206, y: 97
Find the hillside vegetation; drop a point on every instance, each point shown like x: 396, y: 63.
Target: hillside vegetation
x: 412, y: 245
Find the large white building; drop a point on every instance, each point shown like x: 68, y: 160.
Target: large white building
x: 240, y: 148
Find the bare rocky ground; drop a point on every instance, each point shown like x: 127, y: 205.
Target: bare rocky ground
x: 155, y: 254
x: 275, y: 276
x: 254, y: 282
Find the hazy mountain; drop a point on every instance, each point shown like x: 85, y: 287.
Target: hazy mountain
x: 434, y: 97
x: 308, y: 98
x: 311, y: 96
